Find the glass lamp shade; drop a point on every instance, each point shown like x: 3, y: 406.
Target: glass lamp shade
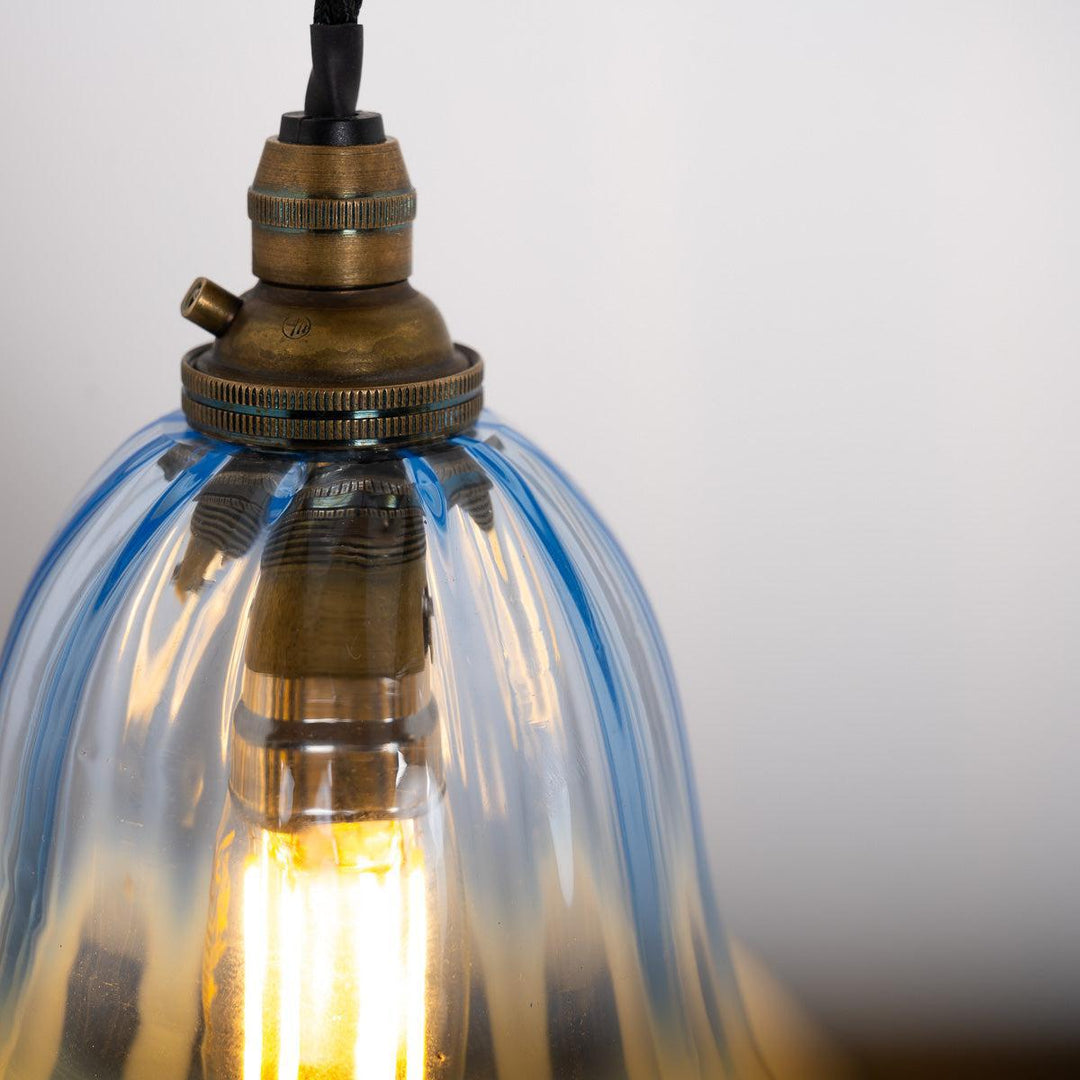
x: 349, y: 766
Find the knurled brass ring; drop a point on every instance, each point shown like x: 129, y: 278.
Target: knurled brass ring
x: 361, y: 214
x: 298, y: 417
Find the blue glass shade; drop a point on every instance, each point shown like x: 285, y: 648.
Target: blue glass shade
x: 538, y: 868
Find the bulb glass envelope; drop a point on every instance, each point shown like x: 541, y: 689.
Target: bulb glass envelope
x: 348, y: 767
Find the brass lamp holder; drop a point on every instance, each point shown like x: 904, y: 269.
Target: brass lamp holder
x: 333, y: 348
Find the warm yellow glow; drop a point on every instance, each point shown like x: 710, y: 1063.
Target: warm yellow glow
x: 416, y: 974
x: 257, y: 939
x: 291, y: 934
x: 335, y: 952
x: 378, y: 978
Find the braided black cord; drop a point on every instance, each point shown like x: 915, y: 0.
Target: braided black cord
x: 330, y: 116
x: 337, y: 12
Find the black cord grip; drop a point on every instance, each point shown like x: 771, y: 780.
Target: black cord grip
x: 330, y: 117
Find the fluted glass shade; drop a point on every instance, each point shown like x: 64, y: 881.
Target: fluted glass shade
x: 347, y: 767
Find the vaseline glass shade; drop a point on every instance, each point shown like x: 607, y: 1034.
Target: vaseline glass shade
x: 351, y: 768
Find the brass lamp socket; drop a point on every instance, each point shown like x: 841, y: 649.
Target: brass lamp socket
x: 337, y: 721
x: 332, y: 217
x: 333, y: 349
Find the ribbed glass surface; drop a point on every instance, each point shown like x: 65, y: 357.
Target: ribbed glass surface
x: 348, y: 769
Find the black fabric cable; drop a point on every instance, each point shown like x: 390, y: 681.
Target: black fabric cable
x: 337, y: 52
x: 330, y: 114
x: 337, y: 12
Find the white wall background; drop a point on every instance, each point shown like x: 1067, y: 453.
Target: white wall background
x: 792, y: 290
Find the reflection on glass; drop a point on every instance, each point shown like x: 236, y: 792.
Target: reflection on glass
x: 364, y: 766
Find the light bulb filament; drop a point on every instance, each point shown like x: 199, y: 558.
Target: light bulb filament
x: 335, y: 955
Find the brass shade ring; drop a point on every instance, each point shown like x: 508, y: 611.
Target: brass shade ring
x: 330, y: 217
x: 304, y: 416
x: 333, y: 349
x: 305, y: 214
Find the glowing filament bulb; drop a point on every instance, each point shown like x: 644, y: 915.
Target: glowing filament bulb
x: 291, y: 934
x: 334, y: 955
x: 378, y: 976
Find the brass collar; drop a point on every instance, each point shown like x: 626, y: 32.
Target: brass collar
x: 333, y: 348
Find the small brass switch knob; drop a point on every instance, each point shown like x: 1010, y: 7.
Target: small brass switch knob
x: 210, y: 306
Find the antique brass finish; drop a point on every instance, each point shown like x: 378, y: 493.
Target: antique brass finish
x: 229, y: 514
x: 332, y: 260
x: 323, y: 698
x: 275, y: 414
x: 336, y: 680
x: 336, y: 683
x: 342, y: 589
x: 361, y: 213
x: 210, y: 306
x: 343, y: 339
x: 332, y: 217
x: 333, y: 348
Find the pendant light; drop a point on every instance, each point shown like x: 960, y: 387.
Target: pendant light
x: 339, y: 742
